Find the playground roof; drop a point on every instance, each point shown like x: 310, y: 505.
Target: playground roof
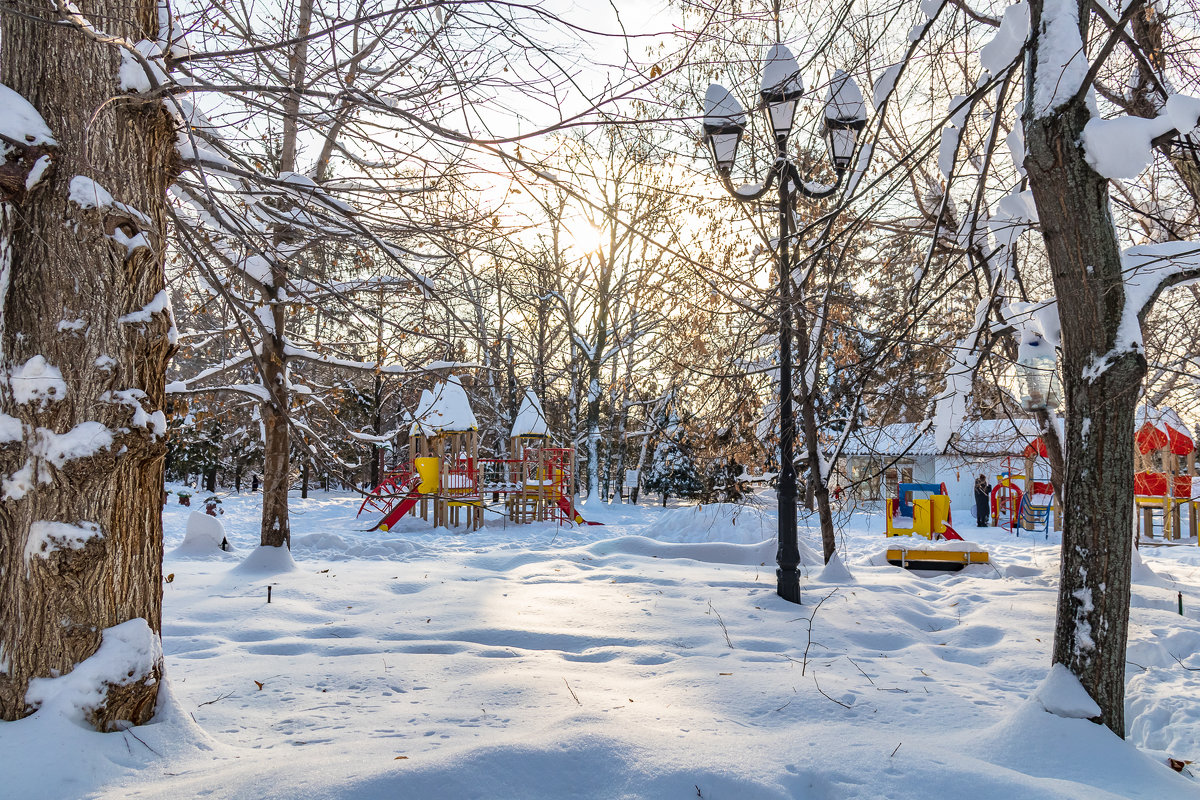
x: 982, y: 437
x: 530, y: 421
x: 1159, y: 427
x: 446, y: 409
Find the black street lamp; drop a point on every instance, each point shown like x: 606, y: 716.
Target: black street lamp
x: 724, y: 123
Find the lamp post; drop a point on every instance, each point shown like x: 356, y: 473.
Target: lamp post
x: 724, y: 124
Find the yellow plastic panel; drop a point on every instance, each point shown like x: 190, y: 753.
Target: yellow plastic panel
x: 427, y: 468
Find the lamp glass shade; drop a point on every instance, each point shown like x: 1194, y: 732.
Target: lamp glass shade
x: 780, y: 115
x: 782, y: 86
x: 724, y: 121
x: 724, y: 145
x: 1037, y: 375
x: 840, y: 142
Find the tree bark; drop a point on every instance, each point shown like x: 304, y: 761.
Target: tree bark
x: 61, y: 262
x: 1101, y: 389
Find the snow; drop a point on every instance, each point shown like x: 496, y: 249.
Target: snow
x: 84, y: 440
x: 886, y: 83
x: 781, y: 72
x: 20, y: 121
x: 1062, y: 694
x: 266, y: 561
x: 202, y: 537
x: 531, y: 420
x: 999, y: 53
x: 132, y: 75
x: 10, y: 429
x: 1121, y: 148
x: 157, y: 305
x: 128, y: 654
x: 1146, y: 269
x: 448, y: 410
x: 37, y: 171
x: 35, y: 381
x: 843, y: 99
x: 46, y: 537
x: 721, y: 108
x: 1061, y: 62
x: 647, y: 658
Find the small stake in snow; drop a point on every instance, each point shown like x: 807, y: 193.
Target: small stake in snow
x: 1180, y: 603
x: 268, y: 592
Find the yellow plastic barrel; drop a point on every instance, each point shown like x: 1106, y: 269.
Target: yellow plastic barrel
x: 428, y: 469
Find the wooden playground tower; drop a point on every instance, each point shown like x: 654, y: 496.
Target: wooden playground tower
x: 445, y: 478
x: 1165, y: 474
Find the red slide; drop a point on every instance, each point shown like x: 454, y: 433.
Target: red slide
x: 565, y: 505
x: 950, y: 533
x: 402, y: 508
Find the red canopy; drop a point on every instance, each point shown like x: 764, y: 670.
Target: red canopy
x: 1036, y: 448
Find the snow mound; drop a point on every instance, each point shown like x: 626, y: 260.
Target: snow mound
x: 716, y: 522
x: 706, y: 552
x: 1063, y: 695
x: 835, y: 572
x: 1045, y: 747
x: 128, y: 653
x: 203, y: 536
x: 1140, y: 573
x: 266, y: 560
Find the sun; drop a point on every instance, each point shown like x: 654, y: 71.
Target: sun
x: 583, y: 237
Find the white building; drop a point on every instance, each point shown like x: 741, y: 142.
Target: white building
x: 875, y: 460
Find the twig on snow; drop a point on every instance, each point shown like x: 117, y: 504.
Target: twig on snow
x: 721, y: 622
x: 572, y: 691
x: 827, y: 697
x: 811, y: 617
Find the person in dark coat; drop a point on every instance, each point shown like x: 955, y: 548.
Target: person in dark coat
x: 983, y: 494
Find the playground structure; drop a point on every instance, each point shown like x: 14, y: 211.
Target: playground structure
x: 928, y: 517
x: 1020, y: 502
x: 1165, y: 480
x: 445, y: 478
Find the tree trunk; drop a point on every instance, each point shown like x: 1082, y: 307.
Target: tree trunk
x: 1101, y: 397
x: 81, y: 521
x: 276, y: 530
x: 276, y: 525
x: 817, y: 489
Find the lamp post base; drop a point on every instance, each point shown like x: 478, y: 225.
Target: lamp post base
x: 788, y: 585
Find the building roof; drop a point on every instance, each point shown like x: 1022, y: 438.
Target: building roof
x: 981, y: 437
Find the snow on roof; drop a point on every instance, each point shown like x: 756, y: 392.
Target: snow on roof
x: 981, y: 437
x: 423, y: 405
x: 1160, y: 418
x: 447, y: 411
x: 531, y: 420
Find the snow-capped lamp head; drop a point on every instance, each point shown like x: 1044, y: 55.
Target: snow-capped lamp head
x: 1037, y: 373
x: 781, y: 88
x: 845, y: 116
x: 724, y: 122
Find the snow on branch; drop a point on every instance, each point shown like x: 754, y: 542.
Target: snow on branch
x: 1061, y: 63
x: 1121, y: 148
x: 950, y: 407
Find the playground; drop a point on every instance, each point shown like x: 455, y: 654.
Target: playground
x: 645, y: 658
x: 442, y: 478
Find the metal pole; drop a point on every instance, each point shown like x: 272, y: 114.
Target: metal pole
x: 788, y: 555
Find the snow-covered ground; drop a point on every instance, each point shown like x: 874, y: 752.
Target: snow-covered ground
x: 648, y: 658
